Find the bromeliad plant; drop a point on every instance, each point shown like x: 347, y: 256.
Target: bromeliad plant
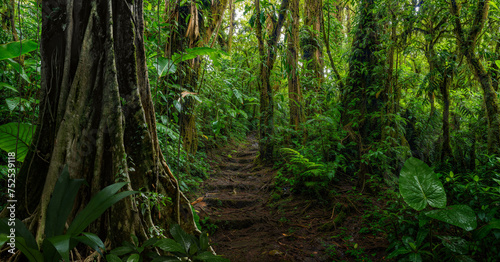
x: 183, y: 247
x: 420, y: 187
x: 57, y: 243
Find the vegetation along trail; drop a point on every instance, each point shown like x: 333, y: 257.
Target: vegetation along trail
x: 249, y: 220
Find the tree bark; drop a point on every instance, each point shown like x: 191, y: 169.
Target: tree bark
x: 359, y: 99
x: 97, y: 117
x: 294, y: 91
x: 266, y: 121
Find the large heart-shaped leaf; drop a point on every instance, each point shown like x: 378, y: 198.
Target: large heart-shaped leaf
x: 9, y: 134
x: 15, y: 49
x: 458, y: 215
x: 420, y: 186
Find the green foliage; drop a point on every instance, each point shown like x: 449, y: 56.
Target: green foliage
x: 419, y: 185
x: 56, y: 245
x: 132, y: 251
x: 302, y: 175
x: 16, y: 49
x: 186, y: 247
x: 16, y: 137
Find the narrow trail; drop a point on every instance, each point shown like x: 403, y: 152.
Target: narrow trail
x: 252, y: 222
x: 235, y: 201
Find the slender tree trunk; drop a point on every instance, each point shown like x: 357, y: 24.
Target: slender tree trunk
x: 446, y: 151
x: 231, y: 25
x: 294, y: 92
x: 326, y: 42
x: 97, y: 117
x: 467, y: 44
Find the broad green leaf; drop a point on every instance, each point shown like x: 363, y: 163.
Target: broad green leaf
x: 399, y: 251
x: 415, y: 257
x: 7, y: 86
x: 32, y: 254
x: 204, y: 241
x: 21, y: 231
x: 97, y: 205
x: 208, y: 256
x: 238, y: 95
x: 14, y: 102
x: 3, y: 239
x: 134, y: 258
x: 120, y: 251
x: 455, y: 244
x: 178, y: 106
x: 170, y: 245
x: 181, y: 237
x: 61, y: 244
x: 93, y: 241
x: 150, y: 242
x: 166, y: 259
x: 19, y: 69
x: 165, y: 66
x: 61, y: 203
x: 113, y: 258
x: 15, y: 49
x: 483, y: 231
x: 9, y: 142
x: 420, y: 186
x: 458, y: 215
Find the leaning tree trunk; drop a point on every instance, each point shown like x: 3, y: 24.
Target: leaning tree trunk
x: 467, y: 44
x: 97, y: 116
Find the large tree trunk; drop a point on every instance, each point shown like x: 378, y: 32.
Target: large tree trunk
x: 467, y: 44
x: 97, y: 117
x: 310, y: 41
x: 266, y: 121
x: 359, y: 98
x: 294, y: 91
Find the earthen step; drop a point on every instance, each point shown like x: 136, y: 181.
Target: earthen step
x: 242, y: 160
x: 235, y: 223
x: 233, y: 166
x: 247, y: 153
x: 228, y: 199
x: 236, y: 173
x: 228, y: 185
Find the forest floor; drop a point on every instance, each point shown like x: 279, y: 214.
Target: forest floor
x: 248, y: 219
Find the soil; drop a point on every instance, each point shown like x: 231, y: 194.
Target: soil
x: 252, y: 220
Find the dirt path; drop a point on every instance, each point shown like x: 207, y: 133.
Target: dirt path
x: 235, y: 201
x: 250, y: 222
